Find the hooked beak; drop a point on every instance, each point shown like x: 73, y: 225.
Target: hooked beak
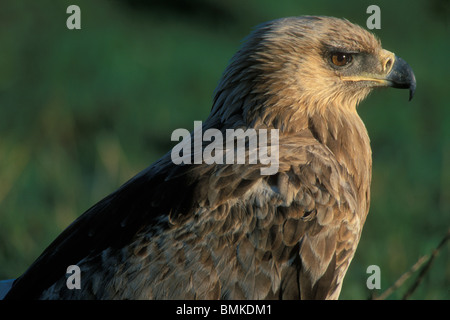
x: 402, y: 76
x: 399, y: 75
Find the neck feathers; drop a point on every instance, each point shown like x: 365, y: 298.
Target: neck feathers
x: 346, y: 136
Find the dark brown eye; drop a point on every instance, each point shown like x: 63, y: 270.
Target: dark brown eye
x: 341, y: 59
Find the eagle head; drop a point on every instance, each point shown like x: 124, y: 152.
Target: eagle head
x: 307, y: 64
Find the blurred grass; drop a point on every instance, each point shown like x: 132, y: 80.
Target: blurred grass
x: 83, y: 111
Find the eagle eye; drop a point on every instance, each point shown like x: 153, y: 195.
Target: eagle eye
x: 341, y: 59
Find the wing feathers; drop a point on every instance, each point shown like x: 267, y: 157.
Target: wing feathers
x: 232, y: 232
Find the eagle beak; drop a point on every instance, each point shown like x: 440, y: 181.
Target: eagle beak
x: 402, y: 76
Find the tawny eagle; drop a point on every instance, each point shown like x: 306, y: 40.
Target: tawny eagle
x: 225, y: 231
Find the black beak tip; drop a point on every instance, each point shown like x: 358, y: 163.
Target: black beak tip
x: 412, y: 90
x: 402, y: 76
x: 412, y: 87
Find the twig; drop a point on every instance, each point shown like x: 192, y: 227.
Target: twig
x: 402, y: 279
x: 426, y: 267
x: 414, y: 268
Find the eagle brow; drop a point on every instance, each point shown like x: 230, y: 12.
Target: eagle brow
x: 336, y: 47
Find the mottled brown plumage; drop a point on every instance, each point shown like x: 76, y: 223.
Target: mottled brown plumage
x: 224, y: 231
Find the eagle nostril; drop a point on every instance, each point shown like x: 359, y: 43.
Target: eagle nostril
x: 387, y: 64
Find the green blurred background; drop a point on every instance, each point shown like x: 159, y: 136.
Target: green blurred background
x: 82, y: 111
